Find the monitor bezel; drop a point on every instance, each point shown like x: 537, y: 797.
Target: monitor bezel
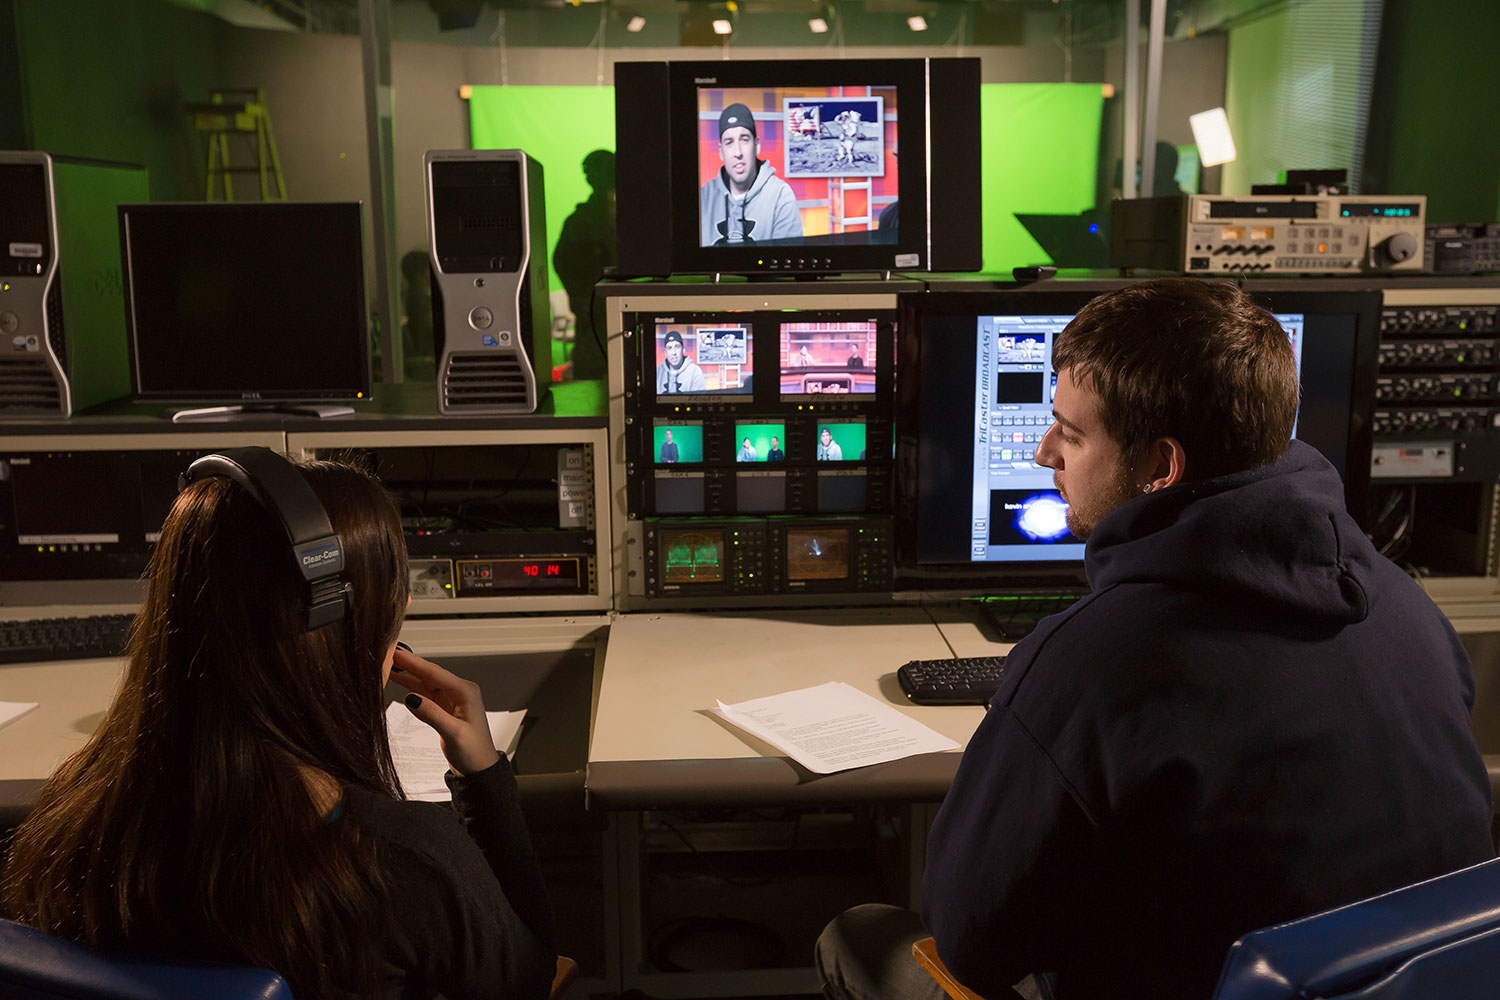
x: 908, y: 76
x: 352, y: 215
x: 967, y: 578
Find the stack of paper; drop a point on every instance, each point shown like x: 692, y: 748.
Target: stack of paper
x: 833, y: 727
x: 417, y: 750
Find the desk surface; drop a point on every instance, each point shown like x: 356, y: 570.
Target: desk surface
x: 656, y: 744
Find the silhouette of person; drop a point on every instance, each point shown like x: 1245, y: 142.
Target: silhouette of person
x: 585, y: 247
x: 417, y: 342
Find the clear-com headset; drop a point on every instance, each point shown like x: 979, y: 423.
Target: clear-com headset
x: 277, y: 486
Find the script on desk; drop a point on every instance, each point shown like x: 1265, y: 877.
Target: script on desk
x: 417, y: 751
x: 833, y: 727
x: 10, y: 711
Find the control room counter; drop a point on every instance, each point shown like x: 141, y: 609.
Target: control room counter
x: 657, y: 745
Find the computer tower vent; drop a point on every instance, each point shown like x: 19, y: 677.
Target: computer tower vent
x: 492, y: 382
x: 29, y: 386
x: 56, y: 332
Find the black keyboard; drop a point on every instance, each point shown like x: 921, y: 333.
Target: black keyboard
x: 967, y: 680
x: 1015, y: 617
x: 63, y: 638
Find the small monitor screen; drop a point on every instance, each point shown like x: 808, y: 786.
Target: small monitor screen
x: 795, y: 166
x: 760, y: 492
x: 841, y: 441
x: 841, y: 491
x: 703, y: 359
x: 246, y: 302
x: 677, y: 441
x: 817, y: 554
x: 679, y: 492
x: 828, y: 358
x: 760, y: 442
x: 691, y: 555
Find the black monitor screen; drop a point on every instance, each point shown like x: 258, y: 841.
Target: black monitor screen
x: 242, y: 302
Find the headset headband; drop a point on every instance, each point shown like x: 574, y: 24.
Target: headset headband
x: 277, y: 486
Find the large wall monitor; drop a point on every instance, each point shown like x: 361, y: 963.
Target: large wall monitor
x: 975, y: 512
x: 824, y: 165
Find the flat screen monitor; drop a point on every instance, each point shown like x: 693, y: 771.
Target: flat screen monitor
x: 834, y: 358
x: 975, y: 512
x: 798, y: 166
x: 235, y: 303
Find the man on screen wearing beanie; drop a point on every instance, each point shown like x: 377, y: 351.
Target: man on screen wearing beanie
x: 678, y: 373
x: 745, y: 201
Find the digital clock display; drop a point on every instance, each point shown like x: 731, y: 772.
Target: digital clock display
x: 519, y: 575
x: 1391, y: 210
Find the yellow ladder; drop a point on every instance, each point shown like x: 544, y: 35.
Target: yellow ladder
x: 238, y: 111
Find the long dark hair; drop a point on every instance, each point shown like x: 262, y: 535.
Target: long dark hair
x: 186, y: 828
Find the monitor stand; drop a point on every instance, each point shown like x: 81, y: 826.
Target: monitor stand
x: 209, y: 413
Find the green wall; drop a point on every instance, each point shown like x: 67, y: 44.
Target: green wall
x: 107, y: 80
x: 557, y: 126
x: 1038, y: 145
x: 1436, y: 128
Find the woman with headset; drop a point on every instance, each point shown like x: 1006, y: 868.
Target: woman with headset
x: 238, y: 802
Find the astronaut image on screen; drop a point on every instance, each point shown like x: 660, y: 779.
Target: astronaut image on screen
x: 745, y: 202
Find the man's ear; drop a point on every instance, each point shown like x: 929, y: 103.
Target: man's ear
x: 1165, y: 464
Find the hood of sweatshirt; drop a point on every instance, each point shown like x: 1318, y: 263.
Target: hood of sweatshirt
x: 1277, y: 536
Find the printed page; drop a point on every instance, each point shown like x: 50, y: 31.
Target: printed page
x: 10, y: 711
x: 833, y: 727
x: 418, y: 753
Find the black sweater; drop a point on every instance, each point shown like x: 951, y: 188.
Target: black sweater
x: 469, y: 912
x: 1253, y: 716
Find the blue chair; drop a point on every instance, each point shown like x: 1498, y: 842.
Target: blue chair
x: 1439, y: 938
x: 37, y: 966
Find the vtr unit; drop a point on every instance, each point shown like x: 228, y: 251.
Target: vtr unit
x: 486, y: 233
x: 1227, y: 234
x: 62, y: 315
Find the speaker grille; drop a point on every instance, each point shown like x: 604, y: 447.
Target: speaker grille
x: 485, y: 382
x: 28, y: 386
x: 56, y: 335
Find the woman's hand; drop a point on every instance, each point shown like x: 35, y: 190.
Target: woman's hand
x: 451, y: 705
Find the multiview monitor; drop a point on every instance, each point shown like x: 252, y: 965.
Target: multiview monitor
x: 234, y: 303
x: 976, y: 512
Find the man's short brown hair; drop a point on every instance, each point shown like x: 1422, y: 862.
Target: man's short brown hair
x: 1191, y: 359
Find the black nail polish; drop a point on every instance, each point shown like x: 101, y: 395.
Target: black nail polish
x: 413, y: 702
x: 402, y: 645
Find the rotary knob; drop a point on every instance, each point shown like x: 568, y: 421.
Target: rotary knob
x: 1395, y: 249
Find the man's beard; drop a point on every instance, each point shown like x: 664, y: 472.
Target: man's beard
x: 1082, y: 520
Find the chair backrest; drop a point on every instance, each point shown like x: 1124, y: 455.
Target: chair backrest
x: 37, y: 966
x: 1439, y: 938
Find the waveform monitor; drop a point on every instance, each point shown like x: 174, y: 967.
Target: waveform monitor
x: 976, y: 510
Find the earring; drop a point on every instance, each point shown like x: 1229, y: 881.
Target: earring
x: 1149, y: 487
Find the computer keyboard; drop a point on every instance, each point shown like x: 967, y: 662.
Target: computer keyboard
x: 1014, y: 617
x: 63, y: 638
x: 966, y: 680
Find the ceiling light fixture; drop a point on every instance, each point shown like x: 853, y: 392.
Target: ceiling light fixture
x: 817, y: 25
x: 917, y: 22
x: 722, y: 26
x: 636, y: 23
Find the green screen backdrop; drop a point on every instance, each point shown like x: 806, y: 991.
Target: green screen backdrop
x: 1039, y: 144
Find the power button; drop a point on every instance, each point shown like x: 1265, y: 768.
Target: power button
x: 481, y: 318
x: 9, y: 322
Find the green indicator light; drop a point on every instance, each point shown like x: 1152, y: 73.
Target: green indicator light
x: 1456, y: 392
x: 1460, y: 357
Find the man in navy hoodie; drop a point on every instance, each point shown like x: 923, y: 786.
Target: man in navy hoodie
x: 1251, y: 717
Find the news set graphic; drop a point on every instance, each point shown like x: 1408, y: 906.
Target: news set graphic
x: 828, y: 358
x: 703, y: 359
x: 835, y: 138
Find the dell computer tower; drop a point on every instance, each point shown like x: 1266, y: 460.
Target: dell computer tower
x: 62, y: 315
x: 487, y: 237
